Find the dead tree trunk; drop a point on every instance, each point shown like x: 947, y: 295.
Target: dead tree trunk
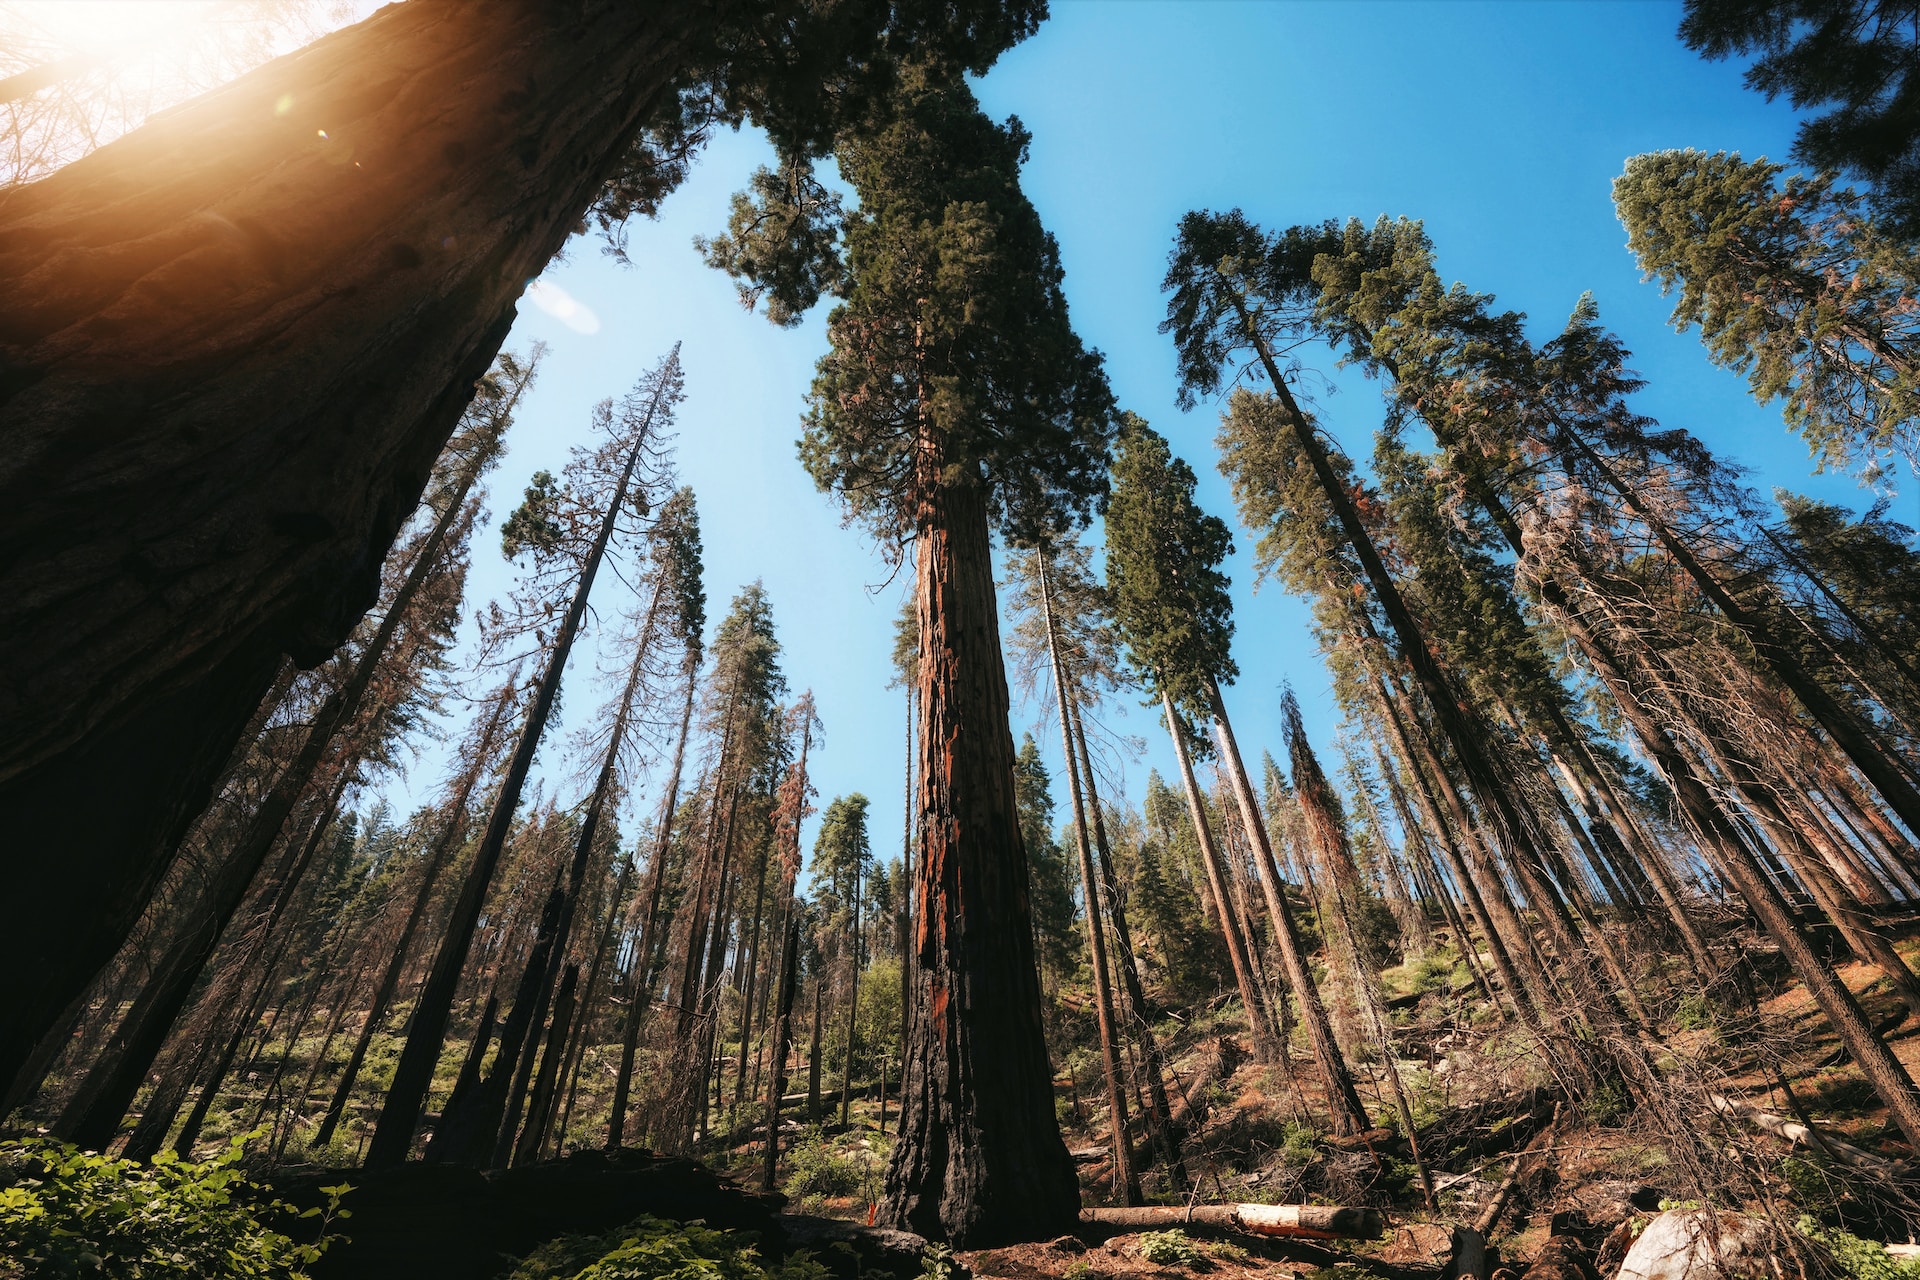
x: 640, y: 976
x: 1126, y: 1182
x: 429, y: 876
x: 782, y: 1035
x: 1258, y: 1024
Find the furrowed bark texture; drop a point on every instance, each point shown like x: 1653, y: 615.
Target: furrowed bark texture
x: 978, y: 1159
x: 234, y: 342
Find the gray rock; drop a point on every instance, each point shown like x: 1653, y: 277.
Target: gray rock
x: 1691, y: 1244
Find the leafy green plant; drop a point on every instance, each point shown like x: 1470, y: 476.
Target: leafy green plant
x: 67, y: 1212
x: 936, y: 1262
x: 656, y: 1249
x: 1857, y: 1258
x: 1078, y: 1269
x: 815, y: 1168
x: 1693, y: 1014
x: 1296, y: 1144
x: 1169, y: 1248
x: 1227, y: 1251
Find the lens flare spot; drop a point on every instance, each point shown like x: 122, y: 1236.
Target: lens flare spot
x: 283, y: 106
x: 563, y: 306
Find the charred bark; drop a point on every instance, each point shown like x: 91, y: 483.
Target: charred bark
x: 978, y: 1158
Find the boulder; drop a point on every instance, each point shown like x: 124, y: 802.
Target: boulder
x: 1693, y: 1244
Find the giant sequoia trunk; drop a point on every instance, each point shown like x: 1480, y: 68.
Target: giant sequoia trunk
x: 978, y: 1159
x: 234, y: 341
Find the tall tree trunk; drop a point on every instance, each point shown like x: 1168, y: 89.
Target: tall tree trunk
x: 1347, y: 1113
x: 750, y: 990
x: 436, y: 860
x: 589, y: 999
x: 1159, y: 1113
x: 393, y: 1136
x: 640, y: 976
x: 375, y: 204
x: 782, y: 1034
x: 853, y: 1003
x: 1258, y: 1024
x: 978, y: 1159
x: 467, y: 1133
x: 1126, y: 1182
x: 541, y: 1104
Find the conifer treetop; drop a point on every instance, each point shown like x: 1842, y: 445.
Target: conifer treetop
x: 1169, y: 597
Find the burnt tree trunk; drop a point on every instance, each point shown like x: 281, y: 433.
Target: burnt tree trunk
x: 782, y: 1035
x: 429, y: 877
x: 978, y: 1158
x: 235, y: 341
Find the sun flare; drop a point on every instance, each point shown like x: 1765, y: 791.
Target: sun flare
x: 104, y: 27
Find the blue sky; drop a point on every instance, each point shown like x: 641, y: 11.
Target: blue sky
x: 1501, y: 125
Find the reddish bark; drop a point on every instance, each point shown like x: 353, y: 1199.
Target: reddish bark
x: 235, y: 341
x: 978, y: 1159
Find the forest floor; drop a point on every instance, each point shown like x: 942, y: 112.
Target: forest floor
x: 1481, y: 1101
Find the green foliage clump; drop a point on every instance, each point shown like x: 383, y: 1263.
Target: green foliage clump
x: 1169, y: 1248
x: 936, y: 1262
x: 816, y: 1169
x: 1693, y: 1014
x: 68, y: 1212
x: 655, y: 1249
x: 1857, y: 1258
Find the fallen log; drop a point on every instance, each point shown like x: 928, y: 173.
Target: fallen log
x: 1189, y: 1111
x: 1491, y: 1214
x: 1801, y: 1135
x: 1310, y: 1221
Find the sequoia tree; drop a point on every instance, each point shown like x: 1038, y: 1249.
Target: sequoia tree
x: 237, y: 338
x: 955, y: 398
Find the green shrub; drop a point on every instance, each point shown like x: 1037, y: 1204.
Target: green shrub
x: 1856, y: 1258
x: 1693, y: 1014
x: 66, y: 1212
x: 1168, y: 1248
x: 1296, y: 1143
x: 814, y: 1168
x: 655, y: 1249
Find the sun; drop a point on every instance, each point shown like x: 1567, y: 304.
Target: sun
x: 102, y: 28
